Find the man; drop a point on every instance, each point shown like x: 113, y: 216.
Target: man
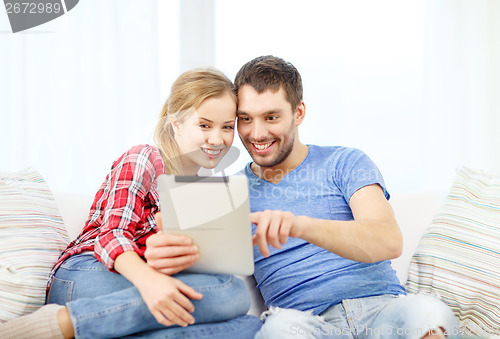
x: 324, y: 229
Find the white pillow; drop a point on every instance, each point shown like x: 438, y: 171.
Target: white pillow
x: 458, y: 257
x: 32, y: 235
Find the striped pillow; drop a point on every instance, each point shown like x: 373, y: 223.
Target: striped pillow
x: 458, y: 257
x: 32, y: 235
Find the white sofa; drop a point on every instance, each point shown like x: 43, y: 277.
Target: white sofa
x: 457, y: 260
x: 414, y: 213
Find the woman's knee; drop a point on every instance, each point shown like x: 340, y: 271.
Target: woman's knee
x: 234, y: 296
x: 224, y: 296
x: 223, y: 286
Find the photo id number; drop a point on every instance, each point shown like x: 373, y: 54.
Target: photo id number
x: 32, y: 8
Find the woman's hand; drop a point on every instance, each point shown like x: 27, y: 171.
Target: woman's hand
x: 167, y: 299
x: 170, y: 253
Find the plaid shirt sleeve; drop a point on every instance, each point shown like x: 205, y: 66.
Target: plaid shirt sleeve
x: 131, y: 179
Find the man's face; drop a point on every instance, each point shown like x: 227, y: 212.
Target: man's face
x: 266, y: 125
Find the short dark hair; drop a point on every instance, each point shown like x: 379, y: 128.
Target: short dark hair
x: 270, y: 72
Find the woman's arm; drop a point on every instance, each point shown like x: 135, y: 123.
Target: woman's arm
x: 125, y: 204
x: 167, y: 298
x: 123, y: 215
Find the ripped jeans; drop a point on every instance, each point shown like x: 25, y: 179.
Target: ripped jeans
x: 384, y: 316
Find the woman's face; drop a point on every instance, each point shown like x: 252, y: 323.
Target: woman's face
x: 205, y: 135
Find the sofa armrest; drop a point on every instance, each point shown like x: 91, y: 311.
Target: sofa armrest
x: 414, y: 213
x: 257, y: 303
x: 74, y: 209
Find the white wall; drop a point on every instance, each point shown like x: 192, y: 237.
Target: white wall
x: 413, y: 83
x: 461, y: 101
x: 79, y: 90
x: 361, y: 64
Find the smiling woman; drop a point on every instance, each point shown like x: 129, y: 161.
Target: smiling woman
x: 199, y: 116
x: 205, y: 136
x: 195, y: 129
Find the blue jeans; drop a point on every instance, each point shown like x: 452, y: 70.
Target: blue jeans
x: 384, y: 316
x: 103, y: 304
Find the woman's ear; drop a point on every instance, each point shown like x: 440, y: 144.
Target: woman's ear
x: 176, y: 125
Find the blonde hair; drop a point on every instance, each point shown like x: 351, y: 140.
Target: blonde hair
x: 188, y: 92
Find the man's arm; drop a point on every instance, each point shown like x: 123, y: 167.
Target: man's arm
x: 372, y: 236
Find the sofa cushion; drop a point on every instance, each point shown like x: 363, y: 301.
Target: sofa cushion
x: 32, y: 235
x: 458, y: 257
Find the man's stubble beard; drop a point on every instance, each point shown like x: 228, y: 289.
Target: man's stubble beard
x: 282, y: 154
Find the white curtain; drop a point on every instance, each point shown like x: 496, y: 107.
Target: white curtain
x: 413, y: 83
x: 79, y: 90
x: 461, y: 93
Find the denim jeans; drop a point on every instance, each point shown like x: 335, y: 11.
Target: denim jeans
x: 103, y: 304
x: 384, y: 316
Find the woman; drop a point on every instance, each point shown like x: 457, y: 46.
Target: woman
x: 195, y: 130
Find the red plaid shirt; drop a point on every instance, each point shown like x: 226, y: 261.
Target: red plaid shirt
x: 122, y: 215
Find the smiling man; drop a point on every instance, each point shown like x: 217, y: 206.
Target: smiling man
x: 267, y: 129
x: 323, y: 228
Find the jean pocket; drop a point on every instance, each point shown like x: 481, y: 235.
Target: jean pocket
x: 82, y: 261
x: 60, y: 292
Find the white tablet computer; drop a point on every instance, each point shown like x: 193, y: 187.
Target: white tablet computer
x: 215, y: 213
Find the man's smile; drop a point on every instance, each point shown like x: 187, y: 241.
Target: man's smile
x: 262, y: 148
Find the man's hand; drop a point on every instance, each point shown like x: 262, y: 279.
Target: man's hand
x: 170, y: 253
x: 274, y: 228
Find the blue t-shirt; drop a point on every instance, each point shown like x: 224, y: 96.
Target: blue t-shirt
x: 304, y: 276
